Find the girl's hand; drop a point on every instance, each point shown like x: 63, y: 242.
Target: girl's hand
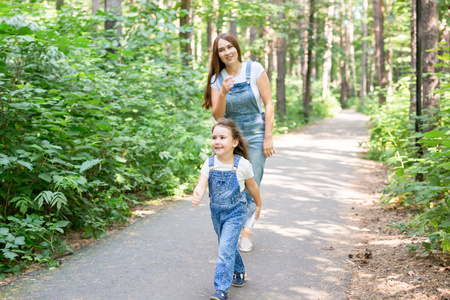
x: 268, y: 148
x: 257, y: 212
x: 196, y: 199
x: 227, y: 85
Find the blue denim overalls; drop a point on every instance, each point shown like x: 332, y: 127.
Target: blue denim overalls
x: 228, y: 210
x: 241, y: 107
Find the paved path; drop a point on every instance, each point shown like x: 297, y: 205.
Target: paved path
x: 300, y: 241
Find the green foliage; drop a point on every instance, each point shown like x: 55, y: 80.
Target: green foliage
x: 294, y: 118
x: 89, y: 119
x: 25, y: 240
x: 419, y: 181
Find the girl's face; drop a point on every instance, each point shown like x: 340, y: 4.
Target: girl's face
x: 222, y: 141
x: 227, y: 52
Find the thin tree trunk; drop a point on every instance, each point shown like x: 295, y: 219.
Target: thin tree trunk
x: 390, y: 79
x: 116, y: 6
x: 301, y: 46
x: 59, y: 4
x: 209, y: 35
x: 308, y: 96
x: 168, y: 45
x: 95, y: 6
x: 233, y: 28
x: 198, y: 43
x: 281, y: 76
x: 351, y: 58
x: 343, y: 65
x: 185, y: 36
x: 372, y: 77
x: 412, y: 86
x: 378, y: 17
x: 444, y: 28
x: 268, y: 52
x: 429, y: 37
x: 305, y: 55
x: 315, y: 62
x: 251, y: 40
x: 327, y: 57
x: 347, y: 54
x: 364, y: 55
x: 281, y: 71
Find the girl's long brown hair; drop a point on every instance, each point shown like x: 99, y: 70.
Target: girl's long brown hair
x: 216, y: 65
x: 241, y: 148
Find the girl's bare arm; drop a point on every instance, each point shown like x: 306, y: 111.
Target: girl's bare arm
x: 199, y: 190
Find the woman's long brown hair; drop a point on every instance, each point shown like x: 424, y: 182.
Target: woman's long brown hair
x: 216, y: 65
x: 241, y: 148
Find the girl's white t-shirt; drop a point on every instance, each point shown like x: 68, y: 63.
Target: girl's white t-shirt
x: 256, y: 70
x: 244, y: 170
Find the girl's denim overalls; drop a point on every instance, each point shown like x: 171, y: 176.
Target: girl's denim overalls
x: 228, y: 210
x: 241, y: 107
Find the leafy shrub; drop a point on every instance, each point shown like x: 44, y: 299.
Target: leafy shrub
x: 85, y: 124
x: 420, y: 181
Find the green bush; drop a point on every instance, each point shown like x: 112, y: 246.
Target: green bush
x: 86, y: 124
x: 420, y: 181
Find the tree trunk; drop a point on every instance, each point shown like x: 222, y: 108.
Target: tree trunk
x: 59, y: 4
x: 308, y: 96
x: 429, y: 37
x: 95, y: 6
x: 444, y: 28
x: 233, y: 28
x: 351, y: 47
x: 198, y: 42
x: 209, y: 35
x: 327, y: 57
x: 343, y: 63
x: 364, y: 55
x: 305, y: 55
x: 281, y: 71
x: 378, y: 17
x: 251, y: 40
x: 315, y: 61
x: 268, y: 52
x: 185, y: 46
x: 390, y: 73
x: 116, y: 7
x: 412, y: 86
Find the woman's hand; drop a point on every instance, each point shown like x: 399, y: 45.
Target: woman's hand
x: 257, y: 212
x: 227, y: 84
x: 268, y: 148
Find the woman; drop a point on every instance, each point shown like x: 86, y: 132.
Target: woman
x: 237, y: 90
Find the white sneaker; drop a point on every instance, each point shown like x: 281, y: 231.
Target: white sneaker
x: 245, y: 245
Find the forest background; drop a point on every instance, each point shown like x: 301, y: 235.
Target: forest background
x: 101, y: 103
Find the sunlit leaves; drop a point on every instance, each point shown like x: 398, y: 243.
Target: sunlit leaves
x: 89, y: 164
x: 84, y: 128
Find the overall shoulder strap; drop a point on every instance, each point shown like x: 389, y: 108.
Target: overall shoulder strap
x: 211, y: 163
x: 248, y: 71
x: 220, y: 78
x: 236, y: 160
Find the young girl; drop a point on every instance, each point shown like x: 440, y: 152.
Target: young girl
x: 227, y: 173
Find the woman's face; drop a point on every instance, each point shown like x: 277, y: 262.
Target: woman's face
x: 227, y: 52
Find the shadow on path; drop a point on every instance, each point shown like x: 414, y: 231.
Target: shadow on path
x: 300, y: 242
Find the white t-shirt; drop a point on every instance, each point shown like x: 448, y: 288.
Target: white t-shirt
x: 244, y: 170
x: 256, y: 71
